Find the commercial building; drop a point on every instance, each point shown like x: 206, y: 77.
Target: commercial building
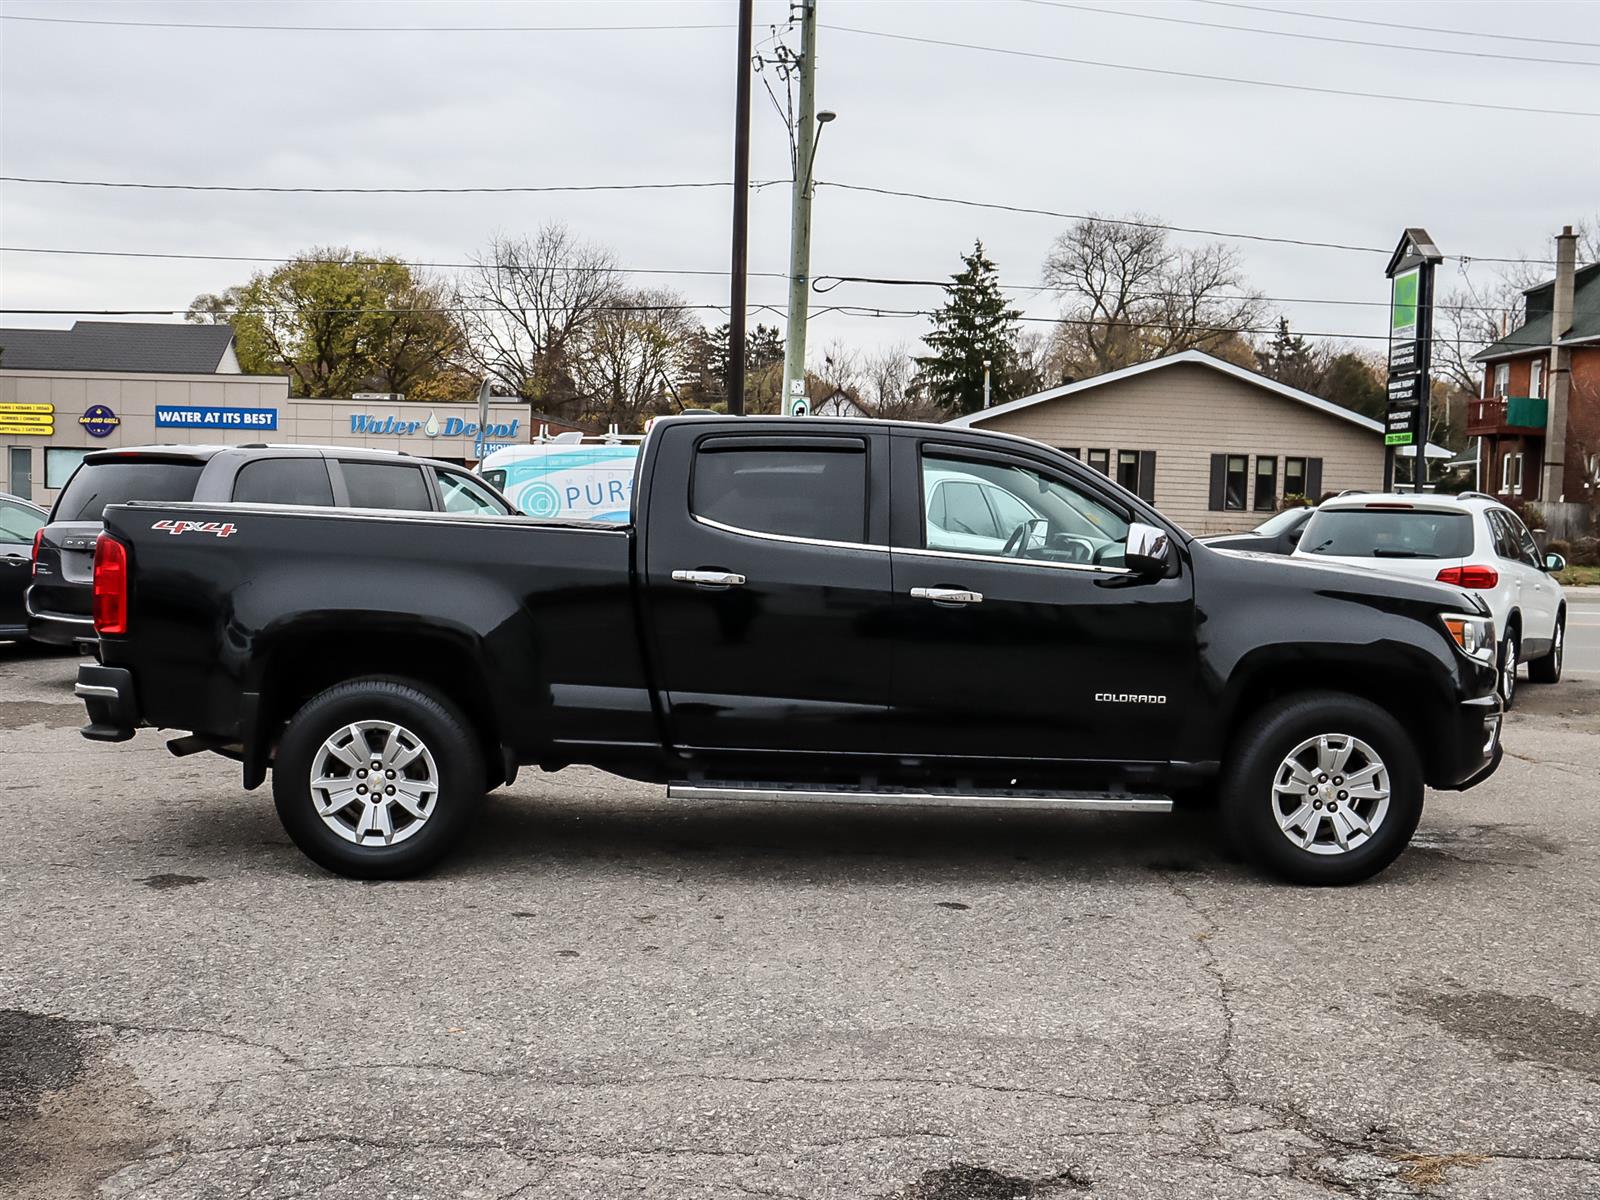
x: 104, y: 384
x: 1214, y: 446
x: 1537, y: 420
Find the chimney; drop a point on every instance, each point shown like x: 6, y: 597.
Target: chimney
x: 1555, y: 434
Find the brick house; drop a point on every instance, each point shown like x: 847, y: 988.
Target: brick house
x: 1524, y: 394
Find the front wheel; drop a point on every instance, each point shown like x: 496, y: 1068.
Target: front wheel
x: 1548, y: 668
x: 1510, y: 660
x: 1323, y: 789
x: 377, y: 778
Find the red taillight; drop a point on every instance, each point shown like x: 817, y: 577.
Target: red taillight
x: 38, y: 536
x: 110, y: 587
x: 1478, y: 578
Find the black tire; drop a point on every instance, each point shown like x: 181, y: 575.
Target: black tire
x: 1506, y: 683
x: 1249, y: 797
x: 1548, y: 668
x: 456, y: 776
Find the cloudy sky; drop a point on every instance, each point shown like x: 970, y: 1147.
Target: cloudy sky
x: 543, y: 107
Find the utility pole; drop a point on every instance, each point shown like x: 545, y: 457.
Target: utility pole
x: 805, y: 131
x: 1553, y: 487
x: 987, y: 363
x: 741, y: 214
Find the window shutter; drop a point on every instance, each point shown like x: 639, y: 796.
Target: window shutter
x: 1219, y: 480
x: 1313, y: 479
x: 1147, y: 476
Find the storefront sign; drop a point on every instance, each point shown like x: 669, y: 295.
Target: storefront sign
x: 1410, y: 273
x: 450, y: 427
x: 28, y: 420
x: 99, y: 421
x: 198, y: 416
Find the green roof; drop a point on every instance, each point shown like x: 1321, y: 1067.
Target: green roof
x: 1535, y: 334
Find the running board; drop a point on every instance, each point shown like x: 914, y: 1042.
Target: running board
x: 983, y: 798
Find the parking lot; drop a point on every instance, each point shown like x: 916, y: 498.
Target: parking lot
x: 603, y: 994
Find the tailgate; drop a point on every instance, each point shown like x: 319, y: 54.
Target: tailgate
x: 64, y: 573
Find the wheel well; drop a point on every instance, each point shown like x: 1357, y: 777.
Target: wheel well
x: 1514, y: 622
x: 1406, y: 697
x: 303, y: 665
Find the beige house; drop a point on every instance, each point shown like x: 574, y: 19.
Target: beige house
x: 1215, y: 447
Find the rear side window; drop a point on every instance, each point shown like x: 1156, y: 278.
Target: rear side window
x: 118, y: 480
x: 462, y: 495
x: 386, y: 485
x: 812, y: 492
x: 284, y: 481
x: 1388, y: 533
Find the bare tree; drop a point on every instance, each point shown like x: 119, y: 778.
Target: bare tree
x: 889, y: 387
x: 623, y: 360
x: 524, y: 303
x: 1129, y: 294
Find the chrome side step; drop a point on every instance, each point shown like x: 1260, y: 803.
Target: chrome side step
x: 985, y: 798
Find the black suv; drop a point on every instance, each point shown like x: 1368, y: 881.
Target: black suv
x: 59, y: 602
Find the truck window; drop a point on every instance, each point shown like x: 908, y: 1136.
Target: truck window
x: 98, y: 483
x: 812, y: 492
x: 284, y: 481
x: 976, y: 506
x: 386, y: 485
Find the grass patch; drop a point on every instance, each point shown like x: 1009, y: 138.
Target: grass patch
x: 1579, y: 577
x: 1427, y: 1171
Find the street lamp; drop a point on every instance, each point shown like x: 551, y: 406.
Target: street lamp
x: 823, y: 118
x: 986, y: 363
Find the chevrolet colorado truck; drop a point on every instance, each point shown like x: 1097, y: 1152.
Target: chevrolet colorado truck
x: 799, y: 611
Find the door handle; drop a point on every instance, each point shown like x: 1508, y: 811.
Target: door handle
x: 709, y: 578
x: 947, y: 595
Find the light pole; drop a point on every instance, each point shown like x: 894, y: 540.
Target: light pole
x: 986, y: 382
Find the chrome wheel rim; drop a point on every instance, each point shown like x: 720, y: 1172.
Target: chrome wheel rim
x: 1330, y: 794
x: 1508, y: 671
x: 1560, y: 638
x: 374, y: 783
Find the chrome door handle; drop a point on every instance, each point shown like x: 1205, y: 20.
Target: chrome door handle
x: 709, y: 578
x: 945, y: 595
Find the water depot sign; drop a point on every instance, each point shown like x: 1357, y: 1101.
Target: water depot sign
x: 486, y: 439
x: 197, y: 416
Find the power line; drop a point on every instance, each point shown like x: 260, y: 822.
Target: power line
x: 358, y: 28
x: 1262, y: 83
x: 1499, y: 37
x: 381, y: 191
x: 377, y: 262
x: 1313, y: 37
x: 1133, y: 224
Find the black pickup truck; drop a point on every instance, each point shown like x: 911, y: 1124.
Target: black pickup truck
x: 800, y: 611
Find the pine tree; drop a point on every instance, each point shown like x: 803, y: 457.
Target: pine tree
x: 974, y: 324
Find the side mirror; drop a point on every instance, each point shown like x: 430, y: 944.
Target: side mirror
x: 1149, y: 550
x: 1554, y: 563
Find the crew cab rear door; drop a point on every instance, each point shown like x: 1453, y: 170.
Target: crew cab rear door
x: 767, y: 595
x: 1045, y: 648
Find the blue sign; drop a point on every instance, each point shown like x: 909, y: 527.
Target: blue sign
x: 453, y: 427
x: 198, y: 416
x: 99, y: 421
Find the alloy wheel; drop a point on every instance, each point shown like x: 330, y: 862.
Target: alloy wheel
x: 1330, y: 794
x: 374, y: 783
x: 1508, y: 670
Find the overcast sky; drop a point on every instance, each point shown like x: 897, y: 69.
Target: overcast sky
x: 166, y: 105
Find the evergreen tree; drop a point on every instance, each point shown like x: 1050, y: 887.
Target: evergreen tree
x: 1290, y: 359
x: 974, y: 324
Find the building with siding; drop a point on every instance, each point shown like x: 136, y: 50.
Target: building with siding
x: 1214, y: 446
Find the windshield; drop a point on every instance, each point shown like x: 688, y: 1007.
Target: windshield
x: 1388, y: 533
x: 1287, y: 519
x: 116, y: 481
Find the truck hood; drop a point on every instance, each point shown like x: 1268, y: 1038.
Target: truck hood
x: 1344, y: 579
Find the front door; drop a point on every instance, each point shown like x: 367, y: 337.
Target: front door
x: 1019, y: 634
x: 767, y: 588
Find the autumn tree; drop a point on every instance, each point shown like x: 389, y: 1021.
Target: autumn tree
x: 1130, y: 295
x: 624, y: 359
x: 704, y: 371
x: 336, y: 322
x: 974, y: 324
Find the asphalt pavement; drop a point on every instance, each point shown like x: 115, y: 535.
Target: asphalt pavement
x: 604, y: 994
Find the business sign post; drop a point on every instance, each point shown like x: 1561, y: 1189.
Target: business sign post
x: 1410, y: 275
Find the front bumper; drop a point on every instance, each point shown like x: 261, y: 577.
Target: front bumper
x: 1470, y: 750
x: 107, y: 692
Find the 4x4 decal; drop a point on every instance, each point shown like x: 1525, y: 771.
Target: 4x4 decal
x: 216, y: 528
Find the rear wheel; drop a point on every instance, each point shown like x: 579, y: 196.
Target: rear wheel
x: 1548, y: 668
x: 1323, y: 789
x: 1510, y: 660
x: 377, y: 778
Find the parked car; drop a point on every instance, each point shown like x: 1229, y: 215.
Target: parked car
x: 1278, y: 534
x: 59, y: 601
x: 782, y: 622
x: 1470, y: 541
x: 20, y: 522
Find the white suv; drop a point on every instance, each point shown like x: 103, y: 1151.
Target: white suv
x: 1472, y: 541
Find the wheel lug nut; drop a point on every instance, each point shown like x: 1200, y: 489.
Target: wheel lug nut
x: 361, y: 774
x: 361, y: 789
x: 388, y: 791
x: 1344, y: 795
x: 1316, y: 804
x: 388, y: 774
